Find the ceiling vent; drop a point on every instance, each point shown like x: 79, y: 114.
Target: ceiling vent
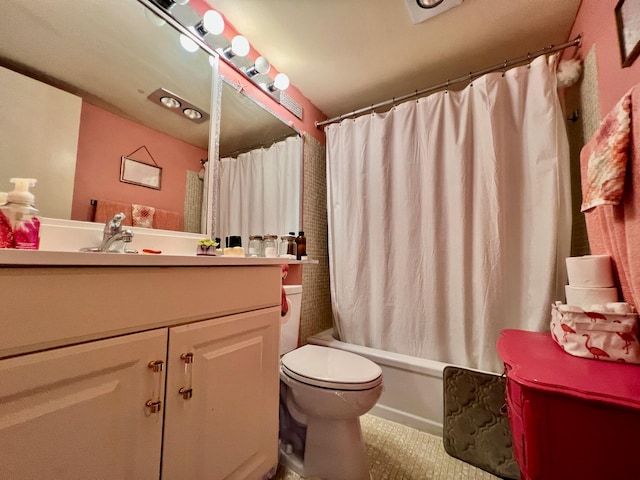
x: 421, y: 10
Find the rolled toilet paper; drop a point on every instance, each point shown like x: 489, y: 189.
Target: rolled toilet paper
x: 585, y: 297
x: 590, y: 271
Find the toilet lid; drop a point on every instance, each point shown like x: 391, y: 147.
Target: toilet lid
x: 331, y: 368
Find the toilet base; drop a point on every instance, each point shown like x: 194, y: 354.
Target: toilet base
x: 334, y: 450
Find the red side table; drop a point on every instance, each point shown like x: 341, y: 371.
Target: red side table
x: 571, y: 418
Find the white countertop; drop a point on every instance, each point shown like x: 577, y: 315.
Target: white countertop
x: 21, y: 258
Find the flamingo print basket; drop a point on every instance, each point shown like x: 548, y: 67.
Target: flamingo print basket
x: 603, y: 336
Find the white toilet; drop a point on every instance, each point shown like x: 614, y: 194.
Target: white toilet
x: 323, y: 392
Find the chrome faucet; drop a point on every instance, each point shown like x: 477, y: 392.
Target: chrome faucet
x: 114, y: 237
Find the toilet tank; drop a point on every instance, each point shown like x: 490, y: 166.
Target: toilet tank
x: 290, y: 323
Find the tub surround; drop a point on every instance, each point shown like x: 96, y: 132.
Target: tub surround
x: 88, y: 352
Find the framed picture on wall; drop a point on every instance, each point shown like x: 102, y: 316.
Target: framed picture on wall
x: 628, y: 24
x: 139, y: 173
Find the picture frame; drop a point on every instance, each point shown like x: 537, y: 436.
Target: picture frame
x: 139, y: 173
x: 627, y: 14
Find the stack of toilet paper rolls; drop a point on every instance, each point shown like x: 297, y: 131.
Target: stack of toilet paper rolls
x: 590, y: 281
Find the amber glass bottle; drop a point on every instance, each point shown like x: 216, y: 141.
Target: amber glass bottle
x: 301, y: 242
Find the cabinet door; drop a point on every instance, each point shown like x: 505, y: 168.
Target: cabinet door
x: 79, y: 412
x: 228, y: 428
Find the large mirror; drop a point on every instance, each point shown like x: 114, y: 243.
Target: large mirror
x: 104, y: 60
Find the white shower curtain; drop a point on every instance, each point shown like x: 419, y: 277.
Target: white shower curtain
x: 449, y: 218
x: 259, y: 191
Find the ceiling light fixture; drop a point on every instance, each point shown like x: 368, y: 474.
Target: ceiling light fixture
x: 188, y: 44
x: 212, y: 22
x: 178, y: 105
x: 261, y: 66
x: 239, y: 47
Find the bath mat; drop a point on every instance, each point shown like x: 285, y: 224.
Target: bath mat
x: 474, y: 430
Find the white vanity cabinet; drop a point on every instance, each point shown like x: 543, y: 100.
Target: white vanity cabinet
x: 222, y: 394
x: 80, y: 397
x: 79, y: 412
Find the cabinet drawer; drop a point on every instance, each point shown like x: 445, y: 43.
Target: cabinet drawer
x: 79, y: 304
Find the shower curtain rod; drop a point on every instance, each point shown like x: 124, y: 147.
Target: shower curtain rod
x: 466, y: 78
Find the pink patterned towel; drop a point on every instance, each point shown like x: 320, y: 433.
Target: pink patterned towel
x: 606, y: 156
x: 142, y: 215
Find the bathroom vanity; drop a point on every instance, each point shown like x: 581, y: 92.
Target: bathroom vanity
x: 136, y: 371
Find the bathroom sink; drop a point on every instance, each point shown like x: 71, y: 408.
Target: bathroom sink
x: 100, y: 250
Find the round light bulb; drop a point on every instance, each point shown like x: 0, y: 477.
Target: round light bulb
x: 192, y: 113
x: 153, y: 18
x: 170, y: 102
x: 213, y: 22
x: 281, y: 82
x: 188, y: 44
x: 240, y: 46
x: 262, y: 65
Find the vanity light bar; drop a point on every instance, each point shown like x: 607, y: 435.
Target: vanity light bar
x: 178, y: 105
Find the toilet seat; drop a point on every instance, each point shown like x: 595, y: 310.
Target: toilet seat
x: 331, y: 368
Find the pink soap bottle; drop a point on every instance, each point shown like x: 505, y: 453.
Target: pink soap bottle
x: 22, y: 215
x: 6, y: 231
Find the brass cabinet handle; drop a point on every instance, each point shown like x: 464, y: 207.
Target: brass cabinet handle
x: 154, y: 404
x: 187, y: 390
x: 154, y: 407
x: 186, y: 393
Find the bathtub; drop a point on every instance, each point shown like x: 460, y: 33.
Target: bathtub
x: 412, y: 392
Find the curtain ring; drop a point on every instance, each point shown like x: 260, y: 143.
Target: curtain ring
x: 528, y: 60
x: 417, y: 99
x: 504, y: 68
x: 471, y: 79
x: 446, y: 89
x: 393, y: 103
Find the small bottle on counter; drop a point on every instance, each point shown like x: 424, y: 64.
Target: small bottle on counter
x: 301, y: 244
x: 292, y: 249
x: 255, y: 246
x: 283, y: 245
x: 271, y: 246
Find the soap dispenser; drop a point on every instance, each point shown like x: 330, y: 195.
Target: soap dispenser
x: 22, y: 215
x: 6, y: 231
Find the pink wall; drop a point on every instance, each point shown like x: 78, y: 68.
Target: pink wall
x: 597, y: 23
x: 103, y: 139
x: 311, y: 114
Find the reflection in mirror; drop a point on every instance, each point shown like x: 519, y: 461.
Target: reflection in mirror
x: 74, y: 83
x: 259, y: 170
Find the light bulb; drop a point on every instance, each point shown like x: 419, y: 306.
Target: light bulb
x: 192, y: 113
x: 188, y: 44
x: 262, y: 65
x: 170, y: 102
x: 281, y: 82
x: 153, y: 18
x: 213, y: 22
x: 240, y: 46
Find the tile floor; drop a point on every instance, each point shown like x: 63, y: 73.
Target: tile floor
x: 397, y: 452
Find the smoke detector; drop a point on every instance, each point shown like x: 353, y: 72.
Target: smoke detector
x: 421, y: 10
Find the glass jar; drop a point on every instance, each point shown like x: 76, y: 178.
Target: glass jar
x: 282, y: 246
x: 256, y: 246
x: 270, y: 246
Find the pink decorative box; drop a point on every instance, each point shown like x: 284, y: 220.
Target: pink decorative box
x: 599, y: 335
